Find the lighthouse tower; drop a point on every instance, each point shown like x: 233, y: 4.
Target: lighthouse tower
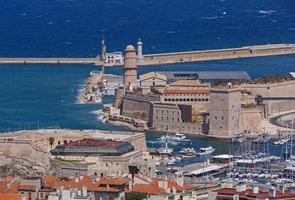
x: 130, y: 68
x: 139, y: 50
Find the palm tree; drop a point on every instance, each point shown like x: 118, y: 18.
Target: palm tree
x: 51, y: 141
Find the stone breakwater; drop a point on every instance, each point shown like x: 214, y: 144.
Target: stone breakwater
x: 92, y: 90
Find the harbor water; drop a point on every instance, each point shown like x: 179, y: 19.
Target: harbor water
x: 45, y: 96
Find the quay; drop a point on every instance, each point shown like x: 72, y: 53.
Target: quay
x: 218, y: 54
x: 95, y: 61
x: 166, y: 58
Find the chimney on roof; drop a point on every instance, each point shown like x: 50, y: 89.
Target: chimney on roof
x: 272, y: 192
x: 76, y: 180
x: 255, y: 190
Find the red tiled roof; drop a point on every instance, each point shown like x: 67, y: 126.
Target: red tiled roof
x: 93, y: 142
x: 185, y: 92
x: 113, y: 181
x: 250, y: 194
x: 8, y: 196
x: 87, y: 181
x: 147, y: 188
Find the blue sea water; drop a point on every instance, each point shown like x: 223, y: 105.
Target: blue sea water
x: 33, y: 96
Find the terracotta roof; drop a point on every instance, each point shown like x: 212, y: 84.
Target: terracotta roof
x: 260, y: 194
x: 113, y: 181
x: 152, y: 75
x: 185, y: 92
x: 7, y: 196
x: 87, y: 181
x: 147, y: 188
x: 188, y: 83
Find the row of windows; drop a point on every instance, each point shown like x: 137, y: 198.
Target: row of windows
x: 172, y: 119
x: 168, y: 112
x: 186, y: 95
x: 222, y: 118
x: 184, y: 99
x: 173, y: 127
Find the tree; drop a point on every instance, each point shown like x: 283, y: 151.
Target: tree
x: 51, y: 141
x: 136, y: 196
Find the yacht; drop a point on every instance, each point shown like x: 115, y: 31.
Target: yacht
x: 205, y: 151
x: 281, y: 142
x: 238, y: 139
x: 165, y: 150
x: 178, y: 137
x: 188, y: 152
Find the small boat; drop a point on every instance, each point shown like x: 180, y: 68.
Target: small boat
x: 165, y: 150
x: 205, y: 151
x: 238, y: 139
x: 178, y: 137
x: 264, y: 138
x: 188, y: 152
x: 281, y: 142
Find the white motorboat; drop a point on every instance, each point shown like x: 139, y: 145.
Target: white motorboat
x: 188, y: 152
x: 205, y: 151
x: 282, y: 141
x: 165, y: 150
x: 178, y: 137
x: 238, y: 139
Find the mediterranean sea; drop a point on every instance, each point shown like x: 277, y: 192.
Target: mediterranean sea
x: 45, y: 96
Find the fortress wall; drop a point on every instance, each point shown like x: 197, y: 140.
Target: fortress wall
x: 281, y: 106
x: 283, y: 89
x: 24, y: 150
x: 135, y: 108
x: 250, y: 121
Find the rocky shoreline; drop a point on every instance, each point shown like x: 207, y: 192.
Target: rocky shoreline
x: 92, y: 90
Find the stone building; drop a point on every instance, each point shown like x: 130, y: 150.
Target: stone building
x: 173, y: 118
x: 137, y: 105
x: 225, y: 110
x: 187, y: 92
x: 152, y: 79
x: 130, y: 68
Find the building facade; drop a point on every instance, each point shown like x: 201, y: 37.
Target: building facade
x: 225, y: 110
x: 173, y: 118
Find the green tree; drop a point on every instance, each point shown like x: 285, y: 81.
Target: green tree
x: 136, y: 196
x: 51, y: 141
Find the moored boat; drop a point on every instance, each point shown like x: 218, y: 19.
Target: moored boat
x: 205, y: 151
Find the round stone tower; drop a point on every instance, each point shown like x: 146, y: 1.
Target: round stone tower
x: 130, y: 68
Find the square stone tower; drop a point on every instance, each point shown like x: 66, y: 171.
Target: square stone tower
x: 224, y: 110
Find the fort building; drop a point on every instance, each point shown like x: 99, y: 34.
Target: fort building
x: 173, y: 118
x: 225, y: 110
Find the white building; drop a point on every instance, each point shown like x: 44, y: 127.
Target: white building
x: 115, y: 58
